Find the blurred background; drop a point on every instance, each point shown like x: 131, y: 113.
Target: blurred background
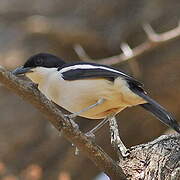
x: 30, y: 148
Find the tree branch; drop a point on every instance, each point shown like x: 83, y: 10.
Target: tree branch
x: 154, y: 40
x: 159, y: 159
x: 29, y: 92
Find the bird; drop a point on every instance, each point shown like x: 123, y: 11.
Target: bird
x: 90, y: 90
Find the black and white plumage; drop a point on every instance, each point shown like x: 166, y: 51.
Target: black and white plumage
x: 80, y: 85
x: 85, y: 70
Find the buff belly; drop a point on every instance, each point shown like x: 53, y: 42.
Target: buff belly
x: 79, y: 94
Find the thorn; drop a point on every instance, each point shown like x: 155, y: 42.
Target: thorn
x: 151, y: 34
x: 126, y: 49
x: 81, y: 52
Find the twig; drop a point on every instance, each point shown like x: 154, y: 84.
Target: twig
x: 134, y: 66
x: 154, y: 40
x: 83, y: 56
x: 126, y: 49
x: 29, y: 93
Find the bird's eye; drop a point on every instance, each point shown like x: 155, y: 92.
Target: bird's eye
x: 39, y: 62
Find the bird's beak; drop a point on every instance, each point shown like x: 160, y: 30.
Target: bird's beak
x: 22, y: 70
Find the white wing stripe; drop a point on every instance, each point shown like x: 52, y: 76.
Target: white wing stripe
x: 88, y: 66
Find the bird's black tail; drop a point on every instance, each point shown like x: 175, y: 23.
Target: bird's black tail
x: 157, y: 110
x: 163, y: 115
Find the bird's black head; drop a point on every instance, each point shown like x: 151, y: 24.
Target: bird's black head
x: 39, y: 60
x: 44, y: 60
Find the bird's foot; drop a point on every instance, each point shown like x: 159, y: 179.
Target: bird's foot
x: 70, y: 116
x: 71, y: 121
x: 125, y: 153
x: 90, y: 135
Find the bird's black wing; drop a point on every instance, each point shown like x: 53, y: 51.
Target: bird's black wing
x: 91, y: 70
x: 84, y: 70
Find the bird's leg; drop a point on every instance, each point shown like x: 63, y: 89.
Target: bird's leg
x: 100, y: 101
x: 115, y: 138
x: 100, y: 125
x: 90, y: 134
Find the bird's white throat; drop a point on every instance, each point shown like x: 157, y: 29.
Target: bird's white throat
x: 40, y: 74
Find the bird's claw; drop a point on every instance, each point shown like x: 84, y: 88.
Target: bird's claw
x: 90, y: 135
x: 70, y: 116
x: 73, y: 124
x: 125, y: 153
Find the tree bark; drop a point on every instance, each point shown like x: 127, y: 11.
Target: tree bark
x: 156, y: 160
